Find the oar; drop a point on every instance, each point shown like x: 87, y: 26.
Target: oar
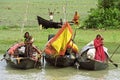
x: 43, y: 59
x: 115, y: 51
x: 116, y: 65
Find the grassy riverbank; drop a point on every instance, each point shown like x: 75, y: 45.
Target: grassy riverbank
x: 12, y: 35
x: 15, y: 13
x: 19, y: 12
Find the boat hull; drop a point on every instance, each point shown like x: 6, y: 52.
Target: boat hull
x: 24, y: 63
x: 93, y: 65
x: 59, y: 61
x: 15, y: 57
x: 48, y: 24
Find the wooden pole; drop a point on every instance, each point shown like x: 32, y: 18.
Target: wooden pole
x: 25, y: 17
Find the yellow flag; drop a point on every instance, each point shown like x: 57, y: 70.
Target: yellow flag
x: 61, y: 39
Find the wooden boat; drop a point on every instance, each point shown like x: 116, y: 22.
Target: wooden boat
x: 91, y: 64
x: 18, y: 60
x: 86, y: 58
x: 60, y: 61
x: 60, y: 50
x: 48, y: 24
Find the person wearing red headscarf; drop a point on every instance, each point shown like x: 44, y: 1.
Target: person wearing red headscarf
x: 98, y: 43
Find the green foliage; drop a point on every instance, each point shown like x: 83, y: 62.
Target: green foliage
x: 118, y: 4
x: 3, y: 27
x: 106, y: 4
x: 103, y: 17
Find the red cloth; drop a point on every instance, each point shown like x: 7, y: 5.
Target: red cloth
x: 99, y: 54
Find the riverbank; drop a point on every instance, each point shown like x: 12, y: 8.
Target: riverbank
x: 12, y: 35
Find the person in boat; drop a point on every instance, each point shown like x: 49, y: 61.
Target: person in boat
x: 76, y: 18
x: 28, y: 44
x: 61, y: 21
x: 51, y: 14
x: 99, y: 50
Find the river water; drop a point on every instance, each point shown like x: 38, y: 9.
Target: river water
x: 52, y: 73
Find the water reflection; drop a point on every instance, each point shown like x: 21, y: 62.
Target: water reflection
x: 52, y: 73
x: 41, y: 75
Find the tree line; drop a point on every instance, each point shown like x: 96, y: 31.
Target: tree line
x: 106, y: 15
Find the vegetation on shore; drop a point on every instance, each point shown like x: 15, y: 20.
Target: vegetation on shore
x: 13, y: 15
x: 106, y: 15
x: 16, y: 13
x: 12, y: 35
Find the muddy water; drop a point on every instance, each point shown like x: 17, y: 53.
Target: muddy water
x: 52, y: 73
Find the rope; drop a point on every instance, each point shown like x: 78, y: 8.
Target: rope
x: 56, y: 60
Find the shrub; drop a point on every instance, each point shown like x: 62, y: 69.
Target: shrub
x: 103, y: 17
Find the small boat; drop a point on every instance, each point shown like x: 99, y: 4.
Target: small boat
x: 60, y: 61
x: 15, y: 57
x: 91, y: 64
x: 63, y: 52
x: 48, y: 24
x: 86, y: 61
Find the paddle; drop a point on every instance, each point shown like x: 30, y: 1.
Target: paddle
x: 43, y: 59
x: 115, y: 51
x: 116, y: 65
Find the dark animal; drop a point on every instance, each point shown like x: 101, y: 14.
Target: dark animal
x: 48, y: 24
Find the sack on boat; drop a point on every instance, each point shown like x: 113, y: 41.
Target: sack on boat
x: 21, y: 50
x: 91, y: 53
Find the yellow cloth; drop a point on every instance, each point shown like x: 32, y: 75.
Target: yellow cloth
x: 62, y: 38
x: 73, y: 46
x: 61, y: 41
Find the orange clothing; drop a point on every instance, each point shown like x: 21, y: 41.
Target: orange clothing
x: 73, y: 46
x: 76, y: 18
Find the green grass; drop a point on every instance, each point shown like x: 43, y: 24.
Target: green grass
x: 13, y: 35
x: 12, y: 12
x: 12, y: 15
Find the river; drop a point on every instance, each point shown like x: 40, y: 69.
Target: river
x: 52, y: 73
